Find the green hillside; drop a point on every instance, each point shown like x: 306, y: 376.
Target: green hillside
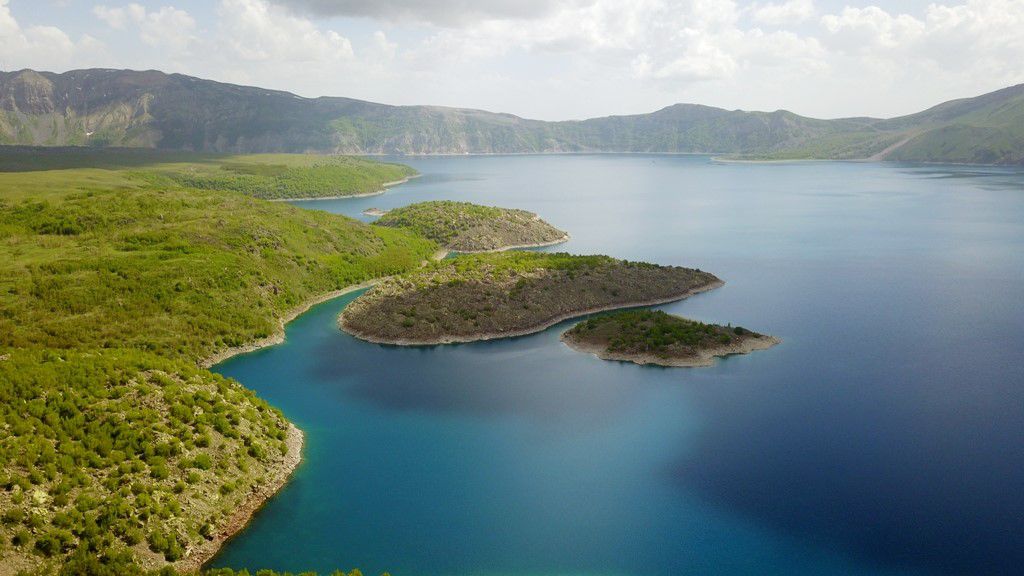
x: 987, y: 129
x: 467, y: 227
x: 115, y: 283
x: 175, y: 112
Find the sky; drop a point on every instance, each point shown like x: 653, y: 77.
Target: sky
x: 548, y: 59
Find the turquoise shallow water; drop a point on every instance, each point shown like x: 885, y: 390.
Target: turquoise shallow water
x: 884, y: 436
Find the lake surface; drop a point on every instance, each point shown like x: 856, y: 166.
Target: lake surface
x: 884, y: 436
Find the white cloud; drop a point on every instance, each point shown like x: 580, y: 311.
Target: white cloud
x: 781, y: 14
x: 979, y: 39
x: 384, y: 48
x: 681, y: 41
x: 167, y: 28
x: 259, y: 31
x: 114, y: 17
x: 39, y: 46
x: 870, y: 27
x: 438, y: 12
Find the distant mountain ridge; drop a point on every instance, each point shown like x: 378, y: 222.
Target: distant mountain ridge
x: 103, y: 107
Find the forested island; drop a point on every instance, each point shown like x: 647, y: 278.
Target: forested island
x: 486, y: 296
x: 656, y: 337
x: 468, y: 228
x: 119, y: 279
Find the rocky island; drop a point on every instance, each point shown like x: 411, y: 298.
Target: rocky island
x: 469, y: 228
x: 487, y: 296
x: 655, y: 337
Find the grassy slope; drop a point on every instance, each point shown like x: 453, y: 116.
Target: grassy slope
x: 112, y: 288
x: 987, y: 129
x: 467, y: 227
x: 964, y: 144
x: 491, y: 295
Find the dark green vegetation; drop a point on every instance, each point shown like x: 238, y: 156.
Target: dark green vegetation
x: 482, y: 296
x: 466, y: 227
x: 653, y: 336
x: 114, y: 285
x: 124, y: 449
x: 152, y: 109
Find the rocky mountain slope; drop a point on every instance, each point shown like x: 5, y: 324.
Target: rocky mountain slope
x: 151, y: 109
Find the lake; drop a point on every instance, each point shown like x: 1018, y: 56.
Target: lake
x: 884, y: 436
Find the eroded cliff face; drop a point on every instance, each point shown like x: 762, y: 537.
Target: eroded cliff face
x: 38, y: 109
x: 28, y: 92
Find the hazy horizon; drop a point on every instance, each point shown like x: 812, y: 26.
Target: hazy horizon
x: 548, y: 59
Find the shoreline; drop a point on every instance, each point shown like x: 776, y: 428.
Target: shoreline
x: 279, y: 335
x: 256, y: 500
x: 703, y: 359
x: 710, y: 155
x: 383, y: 188
x: 561, y: 240
x: 727, y: 160
x: 295, y: 439
x: 530, y: 330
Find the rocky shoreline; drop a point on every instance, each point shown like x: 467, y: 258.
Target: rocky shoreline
x: 561, y: 240
x: 239, y: 519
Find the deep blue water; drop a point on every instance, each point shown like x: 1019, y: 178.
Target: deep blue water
x: 884, y: 436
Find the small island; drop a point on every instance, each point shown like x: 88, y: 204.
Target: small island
x: 470, y: 228
x: 374, y: 212
x: 487, y: 296
x: 655, y: 337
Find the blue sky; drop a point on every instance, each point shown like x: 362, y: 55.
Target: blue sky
x: 549, y: 59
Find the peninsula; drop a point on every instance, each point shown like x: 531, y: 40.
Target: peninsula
x: 487, y: 296
x: 121, y: 280
x: 468, y: 228
x: 655, y: 337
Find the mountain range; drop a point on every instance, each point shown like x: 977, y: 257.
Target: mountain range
x: 151, y: 109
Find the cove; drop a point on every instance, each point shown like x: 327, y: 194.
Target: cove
x: 883, y: 436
